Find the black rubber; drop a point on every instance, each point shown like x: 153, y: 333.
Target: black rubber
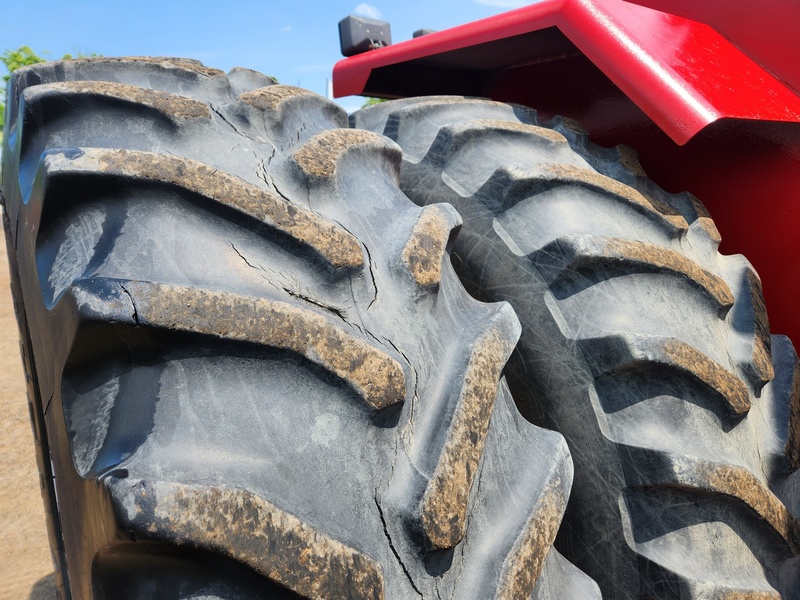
x: 648, y: 350
x: 253, y: 373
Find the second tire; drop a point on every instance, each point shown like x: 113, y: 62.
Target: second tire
x: 647, y: 349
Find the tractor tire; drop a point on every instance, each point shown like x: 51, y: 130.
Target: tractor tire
x: 641, y: 344
x: 252, y: 371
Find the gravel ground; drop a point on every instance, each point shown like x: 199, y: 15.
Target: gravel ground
x: 26, y: 571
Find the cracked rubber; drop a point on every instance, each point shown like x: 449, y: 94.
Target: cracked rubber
x: 253, y: 371
x: 647, y: 349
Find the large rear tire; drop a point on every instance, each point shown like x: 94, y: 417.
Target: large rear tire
x: 253, y: 372
x: 648, y: 350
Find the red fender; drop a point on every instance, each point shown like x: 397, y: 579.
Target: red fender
x: 717, y: 118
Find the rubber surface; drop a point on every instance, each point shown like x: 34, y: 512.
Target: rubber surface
x: 648, y: 350
x: 25, y: 552
x: 254, y: 373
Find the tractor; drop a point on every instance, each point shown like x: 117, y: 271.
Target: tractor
x: 476, y: 341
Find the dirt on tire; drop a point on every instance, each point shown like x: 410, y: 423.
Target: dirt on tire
x: 641, y: 344
x: 255, y: 373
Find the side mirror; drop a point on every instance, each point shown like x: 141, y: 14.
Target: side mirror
x: 360, y: 34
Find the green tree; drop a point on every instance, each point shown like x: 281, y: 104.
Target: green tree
x: 13, y: 60
x: 22, y: 57
x: 373, y: 102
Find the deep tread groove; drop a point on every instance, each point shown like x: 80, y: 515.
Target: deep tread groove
x: 319, y: 157
x: 577, y: 254
x: 628, y: 352
x: 523, y: 567
x: 727, y: 480
x: 251, y: 530
x: 376, y: 376
x: 762, y: 370
x: 793, y: 438
x: 444, y: 504
x: 176, y: 108
x: 187, y: 65
x: 275, y: 97
x: 281, y: 105
x: 338, y: 247
x: 519, y: 184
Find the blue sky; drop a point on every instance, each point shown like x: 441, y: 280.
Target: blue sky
x: 294, y: 40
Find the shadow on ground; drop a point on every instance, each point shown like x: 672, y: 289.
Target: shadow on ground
x: 44, y: 589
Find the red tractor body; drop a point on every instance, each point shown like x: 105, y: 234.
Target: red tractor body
x: 708, y: 93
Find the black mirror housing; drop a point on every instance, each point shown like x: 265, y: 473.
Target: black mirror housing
x: 360, y: 34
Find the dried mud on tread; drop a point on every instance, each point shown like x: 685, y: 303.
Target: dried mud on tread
x: 648, y: 350
x: 193, y: 319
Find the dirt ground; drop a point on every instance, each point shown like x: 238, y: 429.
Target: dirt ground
x: 26, y: 571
